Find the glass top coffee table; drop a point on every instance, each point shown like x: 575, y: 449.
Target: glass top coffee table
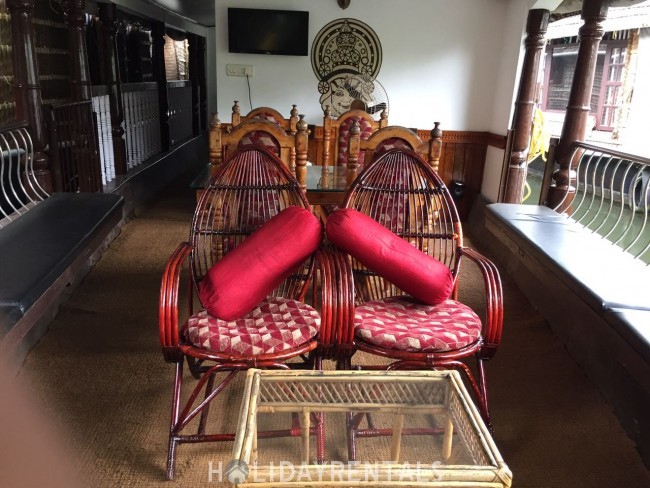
x: 428, y: 431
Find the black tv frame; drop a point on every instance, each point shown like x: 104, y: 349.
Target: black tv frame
x: 264, y: 19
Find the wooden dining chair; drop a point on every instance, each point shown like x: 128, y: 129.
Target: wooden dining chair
x: 290, y: 148
x: 266, y: 113
x: 250, y: 189
x: 336, y: 133
x: 400, y: 192
x: 392, y: 137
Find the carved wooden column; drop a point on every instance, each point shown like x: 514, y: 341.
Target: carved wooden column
x: 594, y: 13
x: 214, y: 144
x: 301, y: 152
x: 75, y: 19
x: 108, y: 18
x: 160, y: 77
x: 29, y: 106
x: 525, y: 104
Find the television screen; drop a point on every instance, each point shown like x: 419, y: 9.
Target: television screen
x: 261, y: 31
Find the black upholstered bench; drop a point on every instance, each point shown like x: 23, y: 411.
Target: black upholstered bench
x: 601, y: 273
x: 594, y: 296
x: 42, y: 252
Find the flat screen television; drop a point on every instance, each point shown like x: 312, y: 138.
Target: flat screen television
x: 261, y: 31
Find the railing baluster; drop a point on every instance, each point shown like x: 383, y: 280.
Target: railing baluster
x: 612, y: 197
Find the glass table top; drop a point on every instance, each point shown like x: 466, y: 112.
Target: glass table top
x: 318, y: 180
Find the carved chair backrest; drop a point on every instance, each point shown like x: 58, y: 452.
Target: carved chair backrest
x: 250, y: 188
x: 401, y: 191
x: 336, y: 133
x: 394, y: 137
x: 290, y: 148
x: 266, y: 113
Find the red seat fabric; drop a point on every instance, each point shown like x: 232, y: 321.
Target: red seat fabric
x: 251, y: 271
x: 387, y: 254
x: 268, y: 116
x: 402, y: 323
x: 392, y: 143
x: 344, y: 138
x: 260, y: 138
x: 275, y: 325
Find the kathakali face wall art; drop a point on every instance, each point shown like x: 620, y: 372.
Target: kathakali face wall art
x: 342, y: 49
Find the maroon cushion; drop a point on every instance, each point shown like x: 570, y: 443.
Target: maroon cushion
x: 248, y: 273
x: 402, y: 324
x: 274, y: 325
x: 390, y: 256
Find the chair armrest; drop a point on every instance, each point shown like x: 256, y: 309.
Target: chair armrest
x: 336, y: 334
x: 168, y: 306
x: 493, y: 323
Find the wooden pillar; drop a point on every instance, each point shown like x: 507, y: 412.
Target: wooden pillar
x: 108, y: 18
x: 160, y: 77
x: 525, y: 104
x: 194, y: 79
x: 594, y: 13
x: 29, y: 106
x: 75, y: 19
x: 301, y: 152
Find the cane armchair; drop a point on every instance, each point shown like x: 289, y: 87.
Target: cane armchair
x: 336, y: 133
x: 400, y: 191
x: 248, y: 190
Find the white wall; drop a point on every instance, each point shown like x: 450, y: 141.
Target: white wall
x: 512, y: 50
x: 456, y: 62
x: 441, y: 60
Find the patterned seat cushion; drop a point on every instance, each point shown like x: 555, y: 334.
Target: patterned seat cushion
x: 392, y: 143
x: 344, y: 138
x: 260, y: 138
x: 275, y: 325
x: 402, y: 323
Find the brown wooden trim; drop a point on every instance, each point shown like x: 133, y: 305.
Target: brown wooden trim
x: 496, y: 140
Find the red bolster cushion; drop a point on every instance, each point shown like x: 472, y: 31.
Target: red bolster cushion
x: 391, y: 257
x: 248, y: 273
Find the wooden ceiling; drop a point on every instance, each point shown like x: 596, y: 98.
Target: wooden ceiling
x: 201, y: 11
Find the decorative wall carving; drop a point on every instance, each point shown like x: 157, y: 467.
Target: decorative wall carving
x: 342, y: 48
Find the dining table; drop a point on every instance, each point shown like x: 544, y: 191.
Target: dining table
x: 324, y: 185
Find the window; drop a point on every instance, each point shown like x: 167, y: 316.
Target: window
x: 611, y: 89
x: 606, y: 92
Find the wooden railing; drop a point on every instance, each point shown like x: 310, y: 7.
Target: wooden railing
x: 74, y: 155
x: 102, y: 109
x: 19, y: 188
x: 141, y: 122
x: 610, y: 196
x: 179, y: 95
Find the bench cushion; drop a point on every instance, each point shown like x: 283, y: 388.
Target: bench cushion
x: 37, y: 247
x: 605, y: 276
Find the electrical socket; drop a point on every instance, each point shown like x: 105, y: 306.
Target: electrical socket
x: 239, y: 70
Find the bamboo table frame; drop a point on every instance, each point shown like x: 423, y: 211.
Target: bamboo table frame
x: 398, y: 393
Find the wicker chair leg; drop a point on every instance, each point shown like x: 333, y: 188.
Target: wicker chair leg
x: 485, y: 410
x: 171, y: 457
x: 351, y: 436
x: 204, y: 412
x: 173, y: 440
